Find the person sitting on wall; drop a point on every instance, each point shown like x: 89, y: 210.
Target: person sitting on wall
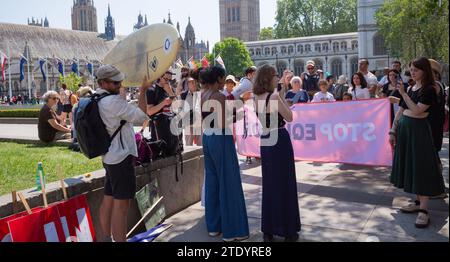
x: 50, y: 128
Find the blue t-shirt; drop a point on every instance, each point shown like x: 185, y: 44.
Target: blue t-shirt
x: 299, y: 97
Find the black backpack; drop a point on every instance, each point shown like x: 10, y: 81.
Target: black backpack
x: 93, y: 138
x: 172, y: 144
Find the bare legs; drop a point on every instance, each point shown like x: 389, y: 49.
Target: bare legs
x: 113, y: 218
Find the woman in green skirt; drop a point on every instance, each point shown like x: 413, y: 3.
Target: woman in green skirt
x: 416, y: 166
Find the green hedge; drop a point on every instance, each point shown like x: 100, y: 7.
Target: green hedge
x: 20, y: 113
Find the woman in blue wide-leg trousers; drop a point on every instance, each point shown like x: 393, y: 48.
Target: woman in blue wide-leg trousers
x: 224, y: 198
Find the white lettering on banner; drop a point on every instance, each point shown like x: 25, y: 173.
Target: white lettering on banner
x: 340, y: 132
x: 7, y: 239
x: 84, y: 234
x: 66, y: 229
x: 368, y: 133
x: 51, y: 235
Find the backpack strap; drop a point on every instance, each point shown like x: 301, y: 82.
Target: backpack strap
x: 97, y: 98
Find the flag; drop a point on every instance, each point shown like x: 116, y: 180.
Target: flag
x: 3, y: 62
x: 23, y: 60
x: 179, y: 63
x: 41, y: 64
x: 90, y: 68
x: 205, y: 62
x: 75, y: 67
x: 60, y: 67
x: 192, y: 64
x: 219, y: 60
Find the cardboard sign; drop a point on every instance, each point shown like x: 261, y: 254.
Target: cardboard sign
x: 76, y: 220
x: 42, y: 226
x: 146, y: 198
x: 67, y: 221
x: 5, y: 236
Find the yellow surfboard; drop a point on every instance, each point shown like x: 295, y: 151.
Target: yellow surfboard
x: 149, y: 51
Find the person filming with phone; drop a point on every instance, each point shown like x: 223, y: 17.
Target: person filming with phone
x: 159, y: 99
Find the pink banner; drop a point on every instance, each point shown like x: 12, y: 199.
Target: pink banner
x: 354, y: 132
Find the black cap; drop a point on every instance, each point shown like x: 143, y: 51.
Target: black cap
x: 251, y: 70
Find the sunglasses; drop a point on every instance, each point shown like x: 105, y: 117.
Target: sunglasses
x: 116, y: 83
x: 311, y: 68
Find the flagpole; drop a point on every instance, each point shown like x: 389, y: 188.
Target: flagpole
x: 28, y: 73
x: 9, y: 71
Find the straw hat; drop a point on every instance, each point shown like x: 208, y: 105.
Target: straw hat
x: 436, y: 66
x: 231, y: 78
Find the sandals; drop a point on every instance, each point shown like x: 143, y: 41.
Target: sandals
x: 423, y: 219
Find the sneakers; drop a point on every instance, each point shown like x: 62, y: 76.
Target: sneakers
x: 423, y: 219
x: 268, y: 238
x: 236, y: 239
x: 292, y: 238
x: 214, y: 234
x: 441, y: 196
x: 412, y: 208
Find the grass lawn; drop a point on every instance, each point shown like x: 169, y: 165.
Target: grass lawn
x: 18, y: 164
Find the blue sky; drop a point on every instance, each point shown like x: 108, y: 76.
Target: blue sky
x: 204, y: 13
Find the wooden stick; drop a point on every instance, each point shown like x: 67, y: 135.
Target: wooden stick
x: 25, y: 203
x: 145, y: 216
x: 14, y: 202
x: 44, y: 195
x: 63, y: 185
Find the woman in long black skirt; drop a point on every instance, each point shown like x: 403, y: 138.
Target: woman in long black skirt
x: 416, y: 168
x: 280, y: 210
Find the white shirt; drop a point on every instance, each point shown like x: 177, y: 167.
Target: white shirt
x: 321, y: 97
x: 113, y: 109
x: 371, y: 79
x: 245, y: 86
x: 359, y: 93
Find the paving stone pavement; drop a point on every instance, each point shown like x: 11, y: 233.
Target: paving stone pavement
x: 338, y: 203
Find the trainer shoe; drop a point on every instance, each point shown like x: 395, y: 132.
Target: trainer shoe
x: 423, y: 219
x: 236, y: 239
x: 411, y: 208
x: 214, y: 234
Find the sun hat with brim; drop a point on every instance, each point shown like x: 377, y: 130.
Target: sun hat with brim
x: 109, y: 72
x: 436, y: 66
x: 231, y: 78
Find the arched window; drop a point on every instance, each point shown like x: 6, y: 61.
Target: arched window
x: 283, y: 50
x: 281, y: 66
x: 379, y: 47
x: 290, y: 49
x: 317, y: 48
x: 355, y: 65
x: 300, y: 49
x: 335, y: 47
x: 267, y: 51
x: 344, y: 46
x: 336, y: 67
x: 258, y: 51
x: 325, y: 47
x: 307, y: 48
x: 299, y: 67
x: 319, y: 64
x: 252, y: 52
x: 274, y: 51
x: 354, y: 45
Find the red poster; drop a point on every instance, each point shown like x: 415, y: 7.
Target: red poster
x: 4, y: 229
x: 76, y: 220
x: 42, y: 226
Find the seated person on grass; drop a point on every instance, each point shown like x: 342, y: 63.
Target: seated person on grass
x: 49, y: 127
